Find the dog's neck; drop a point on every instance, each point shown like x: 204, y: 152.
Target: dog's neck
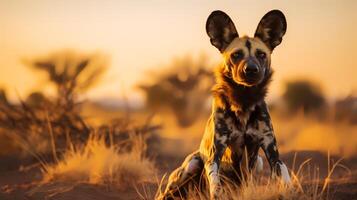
x: 238, y: 98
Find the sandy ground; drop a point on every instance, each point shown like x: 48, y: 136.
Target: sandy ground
x: 22, y: 183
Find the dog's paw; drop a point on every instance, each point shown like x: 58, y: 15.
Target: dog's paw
x: 284, y: 173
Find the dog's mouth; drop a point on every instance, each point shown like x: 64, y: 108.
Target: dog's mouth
x: 252, y: 79
x: 250, y: 82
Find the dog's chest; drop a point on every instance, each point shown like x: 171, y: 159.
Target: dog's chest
x: 243, y: 134
x: 248, y: 130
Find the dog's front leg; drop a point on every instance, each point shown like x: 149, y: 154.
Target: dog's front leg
x: 270, y: 149
x: 220, y: 140
x: 212, y: 170
x: 269, y: 145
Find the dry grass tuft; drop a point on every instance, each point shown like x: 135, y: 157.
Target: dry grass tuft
x: 98, y: 163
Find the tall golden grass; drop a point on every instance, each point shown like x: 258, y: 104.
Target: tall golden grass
x: 99, y: 163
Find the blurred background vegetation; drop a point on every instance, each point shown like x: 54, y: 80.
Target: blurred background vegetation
x: 78, y: 93
x: 177, y: 102
x: 184, y: 90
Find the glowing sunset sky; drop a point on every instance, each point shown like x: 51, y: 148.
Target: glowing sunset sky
x: 321, y: 40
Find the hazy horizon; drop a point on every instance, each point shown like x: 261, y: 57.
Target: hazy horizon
x: 138, y: 37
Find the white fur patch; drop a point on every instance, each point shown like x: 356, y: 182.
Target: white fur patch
x: 214, y: 179
x: 214, y: 167
x: 213, y: 173
x: 214, y: 176
x: 284, y: 173
x: 192, y: 166
x: 259, y: 164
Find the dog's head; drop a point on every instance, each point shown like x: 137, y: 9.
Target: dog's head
x: 247, y: 59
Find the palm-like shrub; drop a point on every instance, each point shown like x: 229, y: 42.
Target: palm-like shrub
x: 184, y: 90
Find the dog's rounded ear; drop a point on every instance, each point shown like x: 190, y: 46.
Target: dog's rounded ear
x: 221, y: 30
x: 271, y: 28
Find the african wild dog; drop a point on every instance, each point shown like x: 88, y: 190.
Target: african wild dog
x: 240, y: 119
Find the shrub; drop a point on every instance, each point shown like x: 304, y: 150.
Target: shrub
x: 303, y: 94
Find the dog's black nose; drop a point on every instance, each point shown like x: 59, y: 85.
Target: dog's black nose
x: 251, y: 68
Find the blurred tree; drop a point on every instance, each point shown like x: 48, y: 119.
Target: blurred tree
x: 184, y: 89
x: 71, y: 73
x: 303, y: 94
x: 346, y: 109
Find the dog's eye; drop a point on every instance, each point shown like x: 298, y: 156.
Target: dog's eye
x: 237, y: 55
x: 261, y: 55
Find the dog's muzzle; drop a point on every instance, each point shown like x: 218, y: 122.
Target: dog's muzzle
x: 250, y: 68
x: 251, y: 72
